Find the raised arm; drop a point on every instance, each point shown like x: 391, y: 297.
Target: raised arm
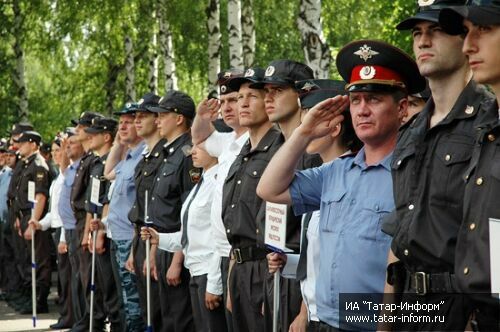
x: 114, y: 157
x: 202, y: 124
x: 275, y: 182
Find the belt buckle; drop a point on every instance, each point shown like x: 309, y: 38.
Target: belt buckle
x: 421, y: 279
x: 237, y: 255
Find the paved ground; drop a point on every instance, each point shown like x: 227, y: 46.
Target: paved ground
x: 11, y: 321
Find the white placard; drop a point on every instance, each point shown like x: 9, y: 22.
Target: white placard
x: 275, y: 232
x: 494, y: 255
x: 94, y: 193
x: 31, y: 191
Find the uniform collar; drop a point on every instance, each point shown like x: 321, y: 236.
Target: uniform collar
x: 267, y: 141
x: 155, y: 153
x: 180, y: 141
x: 136, y: 151
x: 360, y: 161
x: 466, y: 106
x: 211, y: 172
x: 31, y: 158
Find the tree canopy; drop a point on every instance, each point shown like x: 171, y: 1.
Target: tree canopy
x: 75, y: 55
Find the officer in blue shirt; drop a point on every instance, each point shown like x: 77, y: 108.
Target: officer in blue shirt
x: 353, y: 193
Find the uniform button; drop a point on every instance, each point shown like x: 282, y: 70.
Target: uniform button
x: 145, y: 173
x: 479, y: 181
x: 406, y: 252
x: 245, y: 159
x: 491, y: 137
x: 228, y: 230
x: 447, y: 157
x: 399, y: 162
x: 152, y: 198
x: 472, y: 226
x: 254, y: 173
x: 411, y: 207
x: 377, y: 207
x: 232, y: 206
x: 266, y: 147
x: 257, y: 231
x: 469, y: 109
x: 466, y: 270
x: 157, y: 179
x: 238, y: 182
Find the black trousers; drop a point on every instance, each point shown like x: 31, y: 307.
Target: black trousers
x: 139, y: 252
x: 64, y: 279
x: 43, y: 244
x: 246, y: 287
x: 11, y: 278
x: 175, y: 302
x: 455, y: 309
x: 224, y: 268
x: 107, y: 278
x: 77, y: 293
x: 205, y: 320
x: 290, y: 302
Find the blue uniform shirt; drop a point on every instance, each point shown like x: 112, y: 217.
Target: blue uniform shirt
x: 123, y: 195
x: 5, y: 175
x: 352, y: 199
x: 64, y: 206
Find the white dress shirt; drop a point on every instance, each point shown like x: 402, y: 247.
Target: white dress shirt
x: 199, y: 249
x: 52, y: 219
x: 226, y: 147
x: 308, y: 285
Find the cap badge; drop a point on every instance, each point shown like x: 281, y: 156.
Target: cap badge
x: 308, y: 86
x: 140, y: 101
x: 423, y: 3
x: 367, y: 73
x: 227, y: 74
x: 365, y: 52
x: 249, y: 73
x: 14, y: 127
x: 270, y: 71
x: 159, y: 101
x: 93, y: 121
x: 128, y: 105
x: 223, y: 88
x: 469, y: 109
x: 82, y: 115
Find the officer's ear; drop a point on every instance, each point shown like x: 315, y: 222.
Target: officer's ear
x: 108, y: 137
x: 402, y: 108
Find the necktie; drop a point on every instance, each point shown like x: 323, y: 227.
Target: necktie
x: 184, y: 239
x: 302, y: 265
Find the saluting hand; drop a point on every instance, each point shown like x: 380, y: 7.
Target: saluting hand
x: 322, y: 118
x: 208, y: 109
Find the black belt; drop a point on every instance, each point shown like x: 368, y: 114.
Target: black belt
x: 246, y: 254
x: 422, y: 283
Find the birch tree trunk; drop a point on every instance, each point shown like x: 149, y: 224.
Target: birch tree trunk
x: 214, y: 44
x: 316, y: 51
x: 129, y: 70
x: 248, y: 33
x: 167, y: 49
x: 18, y: 75
x: 110, y: 86
x: 234, y: 31
x: 153, y: 59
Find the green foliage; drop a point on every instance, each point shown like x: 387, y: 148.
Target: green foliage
x: 73, y: 48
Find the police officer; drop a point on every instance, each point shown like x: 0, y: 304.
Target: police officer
x: 175, y: 179
x: 354, y: 192
x: 19, y: 280
x: 243, y: 211
x: 432, y: 154
x: 481, y: 20
x: 102, y: 133
x: 224, y: 146
x: 34, y: 168
x: 78, y: 204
